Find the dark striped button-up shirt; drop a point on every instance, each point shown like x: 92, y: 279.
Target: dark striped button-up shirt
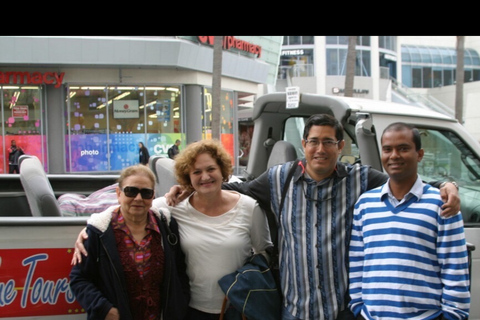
x: 314, y: 232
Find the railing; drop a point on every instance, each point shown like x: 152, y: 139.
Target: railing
x: 421, y: 100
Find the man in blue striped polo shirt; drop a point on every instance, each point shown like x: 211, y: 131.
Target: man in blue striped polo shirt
x: 316, y: 220
x: 406, y: 260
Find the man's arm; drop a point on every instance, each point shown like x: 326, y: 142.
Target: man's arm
x: 448, y: 191
x: 258, y: 189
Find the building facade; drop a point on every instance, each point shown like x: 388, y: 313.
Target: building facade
x: 82, y: 104
x: 407, y: 69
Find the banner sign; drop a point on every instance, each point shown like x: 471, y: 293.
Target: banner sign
x: 35, y: 282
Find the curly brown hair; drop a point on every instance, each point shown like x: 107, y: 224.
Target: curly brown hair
x: 185, y: 160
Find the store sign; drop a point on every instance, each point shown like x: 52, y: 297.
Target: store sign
x: 35, y: 78
x: 125, y: 109
x: 20, y: 112
x: 298, y: 52
x: 336, y: 90
x: 232, y: 42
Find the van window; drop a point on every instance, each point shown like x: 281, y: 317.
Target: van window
x: 446, y: 158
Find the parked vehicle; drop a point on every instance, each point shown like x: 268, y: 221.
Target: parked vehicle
x: 35, y: 252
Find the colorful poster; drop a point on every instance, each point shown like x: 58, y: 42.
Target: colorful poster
x: 91, y: 152
x: 30, y: 144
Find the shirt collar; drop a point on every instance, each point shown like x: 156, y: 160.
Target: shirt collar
x: 416, y: 190
x: 118, y: 222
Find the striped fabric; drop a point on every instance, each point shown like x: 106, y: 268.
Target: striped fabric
x: 407, y: 262
x: 317, y: 218
x: 72, y: 204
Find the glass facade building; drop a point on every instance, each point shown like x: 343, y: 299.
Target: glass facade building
x: 431, y: 67
x: 82, y: 104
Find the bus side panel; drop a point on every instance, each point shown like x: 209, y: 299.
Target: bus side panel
x: 34, y: 271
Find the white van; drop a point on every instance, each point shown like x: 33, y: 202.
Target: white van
x: 451, y: 153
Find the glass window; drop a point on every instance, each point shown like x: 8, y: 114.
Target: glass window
x: 447, y: 77
x: 416, y: 77
x: 436, y: 56
x: 294, y: 40
x: 475, y: 57
x: 388, y: 42
x: 446, y: 157
x: 415, y: 55
x: 363, y: 41
x: 364, y: 69
x: 23, y: 116
x: 407, y: 75
x: 105, y: 125
x: 437, y: 77
x: 467, y: 58
x: 427, y: 77
x: 226, y: 119
x: 406, y: 54
x: 308, y: 39
x: 332, y: 62
x: 331, y: 40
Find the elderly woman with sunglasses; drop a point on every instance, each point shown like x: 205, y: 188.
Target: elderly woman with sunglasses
x: 135, y: 268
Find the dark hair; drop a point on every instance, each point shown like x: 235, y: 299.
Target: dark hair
x: 185, y: 160
x: 399, y: 126
x: 323, y: 120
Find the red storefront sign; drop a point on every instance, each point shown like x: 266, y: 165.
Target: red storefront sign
x: 35, y: 78
x: 35, y: 282
x: 232, y: 42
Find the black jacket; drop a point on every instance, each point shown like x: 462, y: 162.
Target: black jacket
x: 98, y: 283
x: 143, y: 155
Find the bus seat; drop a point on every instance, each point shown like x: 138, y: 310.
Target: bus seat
x: 38, y: 190
x: 164, y: 170
x: 282, y: 152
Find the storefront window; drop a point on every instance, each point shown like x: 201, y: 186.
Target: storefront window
x: 226, y: 119
x: 107, y: 123
x: 23, y: 121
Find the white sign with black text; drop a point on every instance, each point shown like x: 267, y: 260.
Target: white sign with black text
x: 293, y: 97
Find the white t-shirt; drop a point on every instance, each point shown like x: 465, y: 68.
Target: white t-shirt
x: 216, y: 246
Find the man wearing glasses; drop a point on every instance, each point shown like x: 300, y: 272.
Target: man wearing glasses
x: 316, y: 219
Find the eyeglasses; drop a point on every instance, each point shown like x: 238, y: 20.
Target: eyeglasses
x: 327, y: 144
x: 132, y: 192
x: 320, y: 199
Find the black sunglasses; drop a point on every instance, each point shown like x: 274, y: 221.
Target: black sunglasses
x: 133, y: 191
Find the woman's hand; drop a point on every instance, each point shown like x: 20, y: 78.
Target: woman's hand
x: 113, y: 314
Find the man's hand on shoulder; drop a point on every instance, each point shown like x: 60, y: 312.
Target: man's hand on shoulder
x: 176, y: 195
x: 451, y: 199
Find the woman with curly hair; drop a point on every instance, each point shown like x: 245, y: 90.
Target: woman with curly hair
x: 218, y: 228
